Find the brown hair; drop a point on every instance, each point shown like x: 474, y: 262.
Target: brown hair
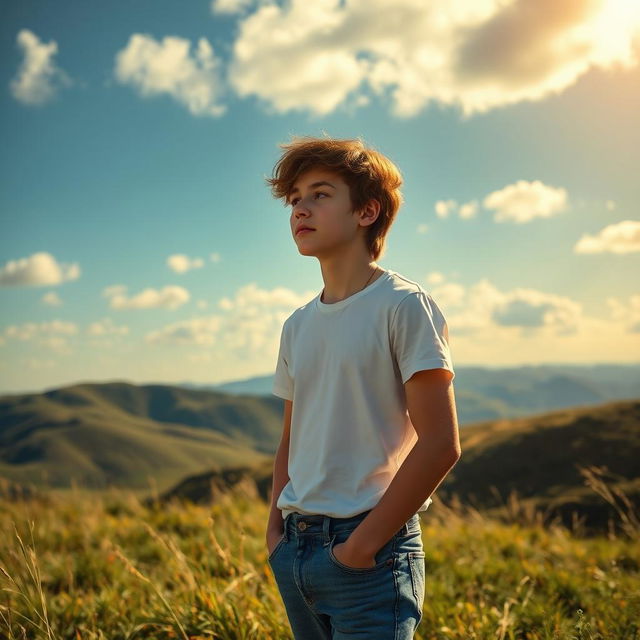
x: 367, y: 172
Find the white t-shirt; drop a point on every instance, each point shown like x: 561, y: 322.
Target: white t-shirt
x: 344, y: 366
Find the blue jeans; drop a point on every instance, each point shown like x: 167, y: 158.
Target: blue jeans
x: 327, y: 600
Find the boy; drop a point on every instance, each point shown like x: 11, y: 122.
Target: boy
x: 370, y: 426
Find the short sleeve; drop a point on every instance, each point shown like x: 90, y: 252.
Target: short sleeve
x: 419, y: 336
x: 282, y: 380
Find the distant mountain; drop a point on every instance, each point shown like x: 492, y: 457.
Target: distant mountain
x: 257, y: 385
x: 122, y: 435
x: 539, y: 458
x: 490, y: 394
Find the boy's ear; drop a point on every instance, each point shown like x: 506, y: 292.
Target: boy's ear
x: 370, y: 212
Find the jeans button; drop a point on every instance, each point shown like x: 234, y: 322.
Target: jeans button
x: 302, y: 525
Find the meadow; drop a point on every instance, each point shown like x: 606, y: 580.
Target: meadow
x: 83, y: 565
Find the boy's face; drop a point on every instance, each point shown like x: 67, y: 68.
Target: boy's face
x: 320, y: 199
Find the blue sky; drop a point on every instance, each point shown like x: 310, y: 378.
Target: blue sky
x: 140, y: 242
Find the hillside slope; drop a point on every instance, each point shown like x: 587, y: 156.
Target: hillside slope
x: 120, y: 434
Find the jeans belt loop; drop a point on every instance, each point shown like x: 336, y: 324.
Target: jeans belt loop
x: 326, y: 530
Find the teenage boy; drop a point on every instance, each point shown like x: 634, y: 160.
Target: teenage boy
x: 370, y: 425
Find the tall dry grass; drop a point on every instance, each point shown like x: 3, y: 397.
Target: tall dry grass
x: 88, y: 566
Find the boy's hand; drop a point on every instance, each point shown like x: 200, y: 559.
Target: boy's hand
x: 273, y: 537
x: 351, y: 558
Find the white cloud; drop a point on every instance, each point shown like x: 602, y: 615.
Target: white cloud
x: 444, y: 207
x: 523, y: 201
x: 528, y: 308
x: 181, y: 263
x: 468, y: 210
x: 38, y: 78
x: 31, y: 330
x: 51, y: 299
x: 230, y: 7
x: 39, y: 269
x: 248, y: 327
x: 622, y: 237
x: 199, y: 331
x: 52, y: 334
x: 167, y: 67
x: 474, y: 54
x: 627, y: 313
x: 215, y: 257
x: 483, y: 307
x: 170, y: 297
x: 106, y: 327
x: 610, y: 205
x: 435, y: 277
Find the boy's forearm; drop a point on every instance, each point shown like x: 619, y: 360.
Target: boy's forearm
x: 280, y: 479
x: 422, y: 471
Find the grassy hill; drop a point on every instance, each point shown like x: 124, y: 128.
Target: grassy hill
x: 169, y: 442
x: 105, y: 566
x: 124, y: 435
x: 538, y: 459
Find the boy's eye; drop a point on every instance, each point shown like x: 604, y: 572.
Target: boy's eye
x: 294, y: 201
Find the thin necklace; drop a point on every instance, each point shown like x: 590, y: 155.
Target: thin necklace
x: 371, y: 276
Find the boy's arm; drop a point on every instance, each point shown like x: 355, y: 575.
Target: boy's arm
x: 431, y: 406
x: 280, y: 472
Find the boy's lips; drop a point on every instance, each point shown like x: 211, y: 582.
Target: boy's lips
x: 303, y: 228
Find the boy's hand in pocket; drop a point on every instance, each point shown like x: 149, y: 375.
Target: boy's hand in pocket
x: 273, y: 537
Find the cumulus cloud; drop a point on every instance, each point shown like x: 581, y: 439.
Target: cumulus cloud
x: 181, y: 263
x: 51, y: 299
x: 622, y: 237
x: 154, y: 68
x: 523, y: 201
x: 483, y: 306
x: 170, y: 297
x: 230, y: 7
x: 39, y: 269
x: 477, y: 55
x: 248, y: 326
x: 38, y: 78
x: 445, y: 207
x: 106, y: 327
x: 52, y: 334
x: 627, y: 313
x: 198, y: 331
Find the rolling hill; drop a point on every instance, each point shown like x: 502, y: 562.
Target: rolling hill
x: 538, y: 458
x: 118, y: 434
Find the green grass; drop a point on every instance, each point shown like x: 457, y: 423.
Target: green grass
x: 81, y: 565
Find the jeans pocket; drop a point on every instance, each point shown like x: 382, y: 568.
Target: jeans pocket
x: 384, y: 558
x: 417, y: 569
x: 280, y: 544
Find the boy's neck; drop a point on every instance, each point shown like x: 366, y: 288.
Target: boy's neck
x: 343, y: 279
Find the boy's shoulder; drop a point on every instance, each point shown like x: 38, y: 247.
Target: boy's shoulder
x: 401, y: 285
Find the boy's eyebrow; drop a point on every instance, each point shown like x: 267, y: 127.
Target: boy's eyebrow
x: 315, y: 184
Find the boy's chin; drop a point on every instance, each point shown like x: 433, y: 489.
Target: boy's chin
x: 306, y: 251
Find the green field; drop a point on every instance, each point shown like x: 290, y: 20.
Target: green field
x: 82, y: 565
